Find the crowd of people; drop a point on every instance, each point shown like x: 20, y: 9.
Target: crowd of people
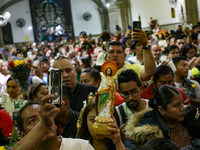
x: 156, y: 103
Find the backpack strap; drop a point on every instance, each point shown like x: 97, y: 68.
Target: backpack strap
x: 115, y: 114
x: 123, y: 114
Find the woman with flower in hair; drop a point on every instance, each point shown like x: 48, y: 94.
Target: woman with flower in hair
x: 20, y: 71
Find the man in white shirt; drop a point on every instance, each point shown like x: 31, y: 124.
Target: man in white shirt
x: 38, y: 129
x: 156, y: 50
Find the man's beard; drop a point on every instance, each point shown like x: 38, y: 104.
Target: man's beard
x: 131, y: 106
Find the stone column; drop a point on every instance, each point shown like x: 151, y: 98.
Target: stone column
x: 191, y: 11
x: 104, y: 19
x: 1, y: 38
x: 125, y: 10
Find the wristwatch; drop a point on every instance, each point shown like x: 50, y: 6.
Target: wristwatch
x: 148, y: 47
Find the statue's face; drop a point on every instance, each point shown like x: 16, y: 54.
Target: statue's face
x: 108, y: 72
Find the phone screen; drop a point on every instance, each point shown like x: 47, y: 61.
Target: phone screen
x: 136, y: 24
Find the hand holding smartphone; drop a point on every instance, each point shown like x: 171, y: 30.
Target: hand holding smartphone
x: 139, y: 35
x: 55, y: 86
x: 136, y: 24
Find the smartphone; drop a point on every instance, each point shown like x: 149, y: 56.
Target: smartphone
x: 55, y: 86
x: 136, y: 24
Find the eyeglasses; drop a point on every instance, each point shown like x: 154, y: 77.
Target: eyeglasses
x: 180, y: 43
x: 132, y: 92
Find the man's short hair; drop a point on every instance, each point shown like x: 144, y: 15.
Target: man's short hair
x: 116, y: 43
x: 178, y: 38
x: 177, y: 59
x: 195, y: 26
x: 155, y: 44
x: 59, y: 58
x: 170, y: 48
x: 162, y: 70
x: 82, y: 33
x: 19, y: 119
x: 43, y: 59
x: 128, y: 75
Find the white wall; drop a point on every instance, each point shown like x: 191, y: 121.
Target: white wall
x: 21, y: 10
x: 79, y: 7
x: 114, y: 19
x: 159, y: 10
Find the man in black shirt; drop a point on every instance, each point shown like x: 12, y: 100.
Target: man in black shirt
x: 79, y: 91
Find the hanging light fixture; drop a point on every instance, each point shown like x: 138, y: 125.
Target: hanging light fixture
x: 173, y: 14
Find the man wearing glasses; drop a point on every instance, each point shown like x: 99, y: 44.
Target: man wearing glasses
x: 129, y: 86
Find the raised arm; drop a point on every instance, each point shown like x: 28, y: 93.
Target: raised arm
x: 115, y: 137
x: 34, y: 137
x: 149, y: 63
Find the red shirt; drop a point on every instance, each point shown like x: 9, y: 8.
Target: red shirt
x: 118, y: 99
x: 149, y: 93
x: 6, y: 124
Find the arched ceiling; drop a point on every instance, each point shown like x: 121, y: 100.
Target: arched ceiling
x: 2, y: 1
x: 7, y: 3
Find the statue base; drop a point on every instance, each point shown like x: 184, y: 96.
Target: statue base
x: 100, y: 127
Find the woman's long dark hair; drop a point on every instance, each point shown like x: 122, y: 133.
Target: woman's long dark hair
x: 186, y: 49
x: 85, y: 61
x: 163, y: 96
x: 84, y: 132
